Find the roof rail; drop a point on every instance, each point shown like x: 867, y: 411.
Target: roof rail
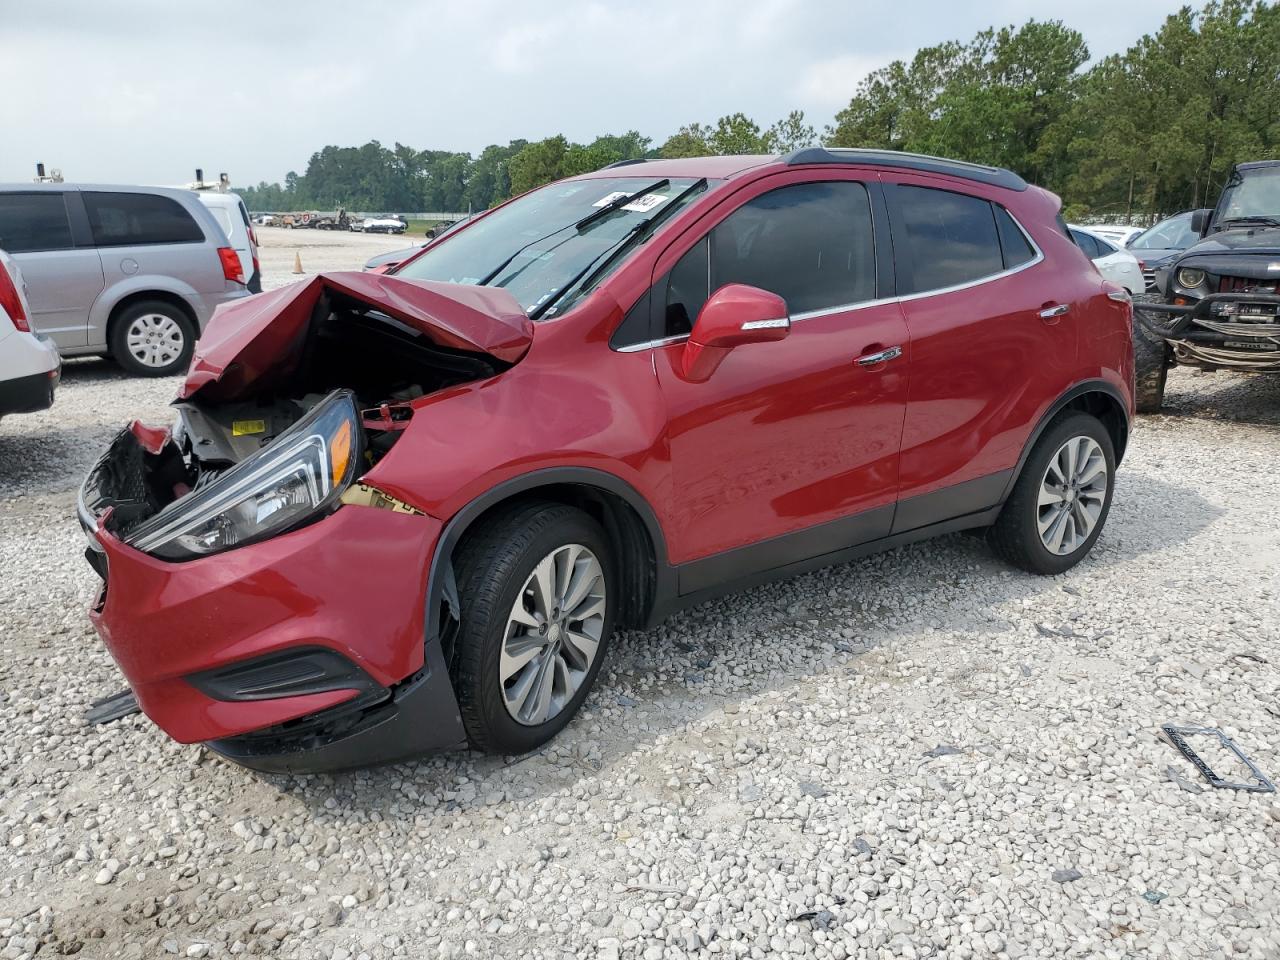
x: 624, y: 163
x: 995, y: 176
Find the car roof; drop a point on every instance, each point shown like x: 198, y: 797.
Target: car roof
x: 218, y: 199
x: 175, y: 193
x: 1256, y: 164
x: 713, y: 168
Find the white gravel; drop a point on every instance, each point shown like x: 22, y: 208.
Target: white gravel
x: 919, y: 754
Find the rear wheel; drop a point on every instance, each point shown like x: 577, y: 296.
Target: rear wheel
x: 153, y: 338
x: 1061, y: 500
x: 536, y: 620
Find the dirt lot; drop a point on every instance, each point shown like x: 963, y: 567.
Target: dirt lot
x: 921, y: 754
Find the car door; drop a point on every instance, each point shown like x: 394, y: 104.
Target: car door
x: 993, y: 334
x: 790, y: 449
x: 64, y: 277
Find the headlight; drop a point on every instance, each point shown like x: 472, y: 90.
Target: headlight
x: 302, y: 472
x: 1190, y: 278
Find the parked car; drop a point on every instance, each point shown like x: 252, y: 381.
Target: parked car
x: 1157, y: 247
x: 382, y: 225
x: 1217, y: 305
x: 131, y: 272
x: 1116, y: 265
x: 1117, y: 233
x: 265, y: 220
x: 29, y: 363
x: 430, y: 499
x: 232, y: 216
x: 387, y: 261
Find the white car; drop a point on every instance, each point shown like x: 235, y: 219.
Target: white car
x: 1118, y: 234
x: 29, y: 363
x: 229, y: 210
x: 1114, y: 263
x: 265, y: 220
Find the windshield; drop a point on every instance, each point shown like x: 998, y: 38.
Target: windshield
x: 1172, y: 234
x: 533, y: 246
x: 1255, y: 193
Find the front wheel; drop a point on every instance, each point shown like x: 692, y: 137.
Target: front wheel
x: 537, y: 616
x: 1061, y: 500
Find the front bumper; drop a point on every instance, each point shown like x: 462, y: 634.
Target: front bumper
x: 352, y: 584
x: 1202, y: 334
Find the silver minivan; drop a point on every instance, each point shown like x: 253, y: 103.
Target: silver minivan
x: 130, y: 272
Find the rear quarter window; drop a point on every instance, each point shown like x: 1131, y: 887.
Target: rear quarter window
x: 34, y: 221
x: 135, y: 219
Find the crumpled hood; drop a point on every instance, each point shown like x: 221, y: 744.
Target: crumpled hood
x: 265, y: 333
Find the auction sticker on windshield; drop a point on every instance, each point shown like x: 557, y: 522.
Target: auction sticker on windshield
x: 639, y: 205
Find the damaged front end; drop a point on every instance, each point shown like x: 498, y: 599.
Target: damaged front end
x: 244, y: 544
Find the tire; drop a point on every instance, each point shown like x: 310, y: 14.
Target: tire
x: 1151, y: 362
x: 495, y: 569
x: 153, y: 338
x: 1016, y: 535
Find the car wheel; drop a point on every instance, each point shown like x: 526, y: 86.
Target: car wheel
x: 1061, y: 500
x: 153, y: 339
x: 536, y: 620
x: 1151, y: 363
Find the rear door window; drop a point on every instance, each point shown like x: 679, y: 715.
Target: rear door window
x: 1088, y: 244
x: 136, y: 219
x: 810, y: 243
x: 951, y: 237
x: 31, y: 222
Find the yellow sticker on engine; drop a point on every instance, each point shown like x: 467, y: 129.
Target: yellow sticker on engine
x: 243, y: 428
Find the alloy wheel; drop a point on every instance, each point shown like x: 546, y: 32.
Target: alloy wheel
x: 1073, y: 492
x: 553, y: 634
x: 155, y: 340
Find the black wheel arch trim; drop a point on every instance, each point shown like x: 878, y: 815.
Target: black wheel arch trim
x: 441, y: 582
x: 1080, y: 389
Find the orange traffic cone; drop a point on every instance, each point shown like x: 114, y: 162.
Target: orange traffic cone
x: 297, y: 263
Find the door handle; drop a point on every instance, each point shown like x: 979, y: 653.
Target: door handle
x: 871, y: 359
x: 1048, y: 313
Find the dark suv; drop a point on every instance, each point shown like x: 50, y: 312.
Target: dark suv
x: 408, y: 512
x: 1217, y: 305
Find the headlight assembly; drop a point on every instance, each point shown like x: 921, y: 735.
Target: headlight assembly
x: 1190, y: 278
x: 301, y: 473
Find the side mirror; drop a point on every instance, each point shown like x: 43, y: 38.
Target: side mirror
x: 1200, y: 221
x: 734, y: 315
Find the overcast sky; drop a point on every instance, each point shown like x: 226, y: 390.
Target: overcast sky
x: 147, y: 90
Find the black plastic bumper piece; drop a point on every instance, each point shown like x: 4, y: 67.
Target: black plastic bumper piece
x: 420, y: 716
x: 1183, y: 315
x: 27, y: 394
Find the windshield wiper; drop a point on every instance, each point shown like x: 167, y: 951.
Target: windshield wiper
x: 647, y: 225
x: 1264, y: 220
x: 586, y: 221
x: 617, y: 202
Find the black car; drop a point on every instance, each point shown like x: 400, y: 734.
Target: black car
x: 1218, y: 306
x: 1158, y: 246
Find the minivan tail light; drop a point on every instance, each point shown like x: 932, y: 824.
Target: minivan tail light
x: 231, y: 268
x: 12, y: 302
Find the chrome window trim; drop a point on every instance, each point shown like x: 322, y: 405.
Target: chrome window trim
x: 864, y: 304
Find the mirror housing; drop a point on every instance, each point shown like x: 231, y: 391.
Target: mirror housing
x: 734, y: 315
x: 1200, y: 221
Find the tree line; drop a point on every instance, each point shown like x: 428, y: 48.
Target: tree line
x: 1137, y: 135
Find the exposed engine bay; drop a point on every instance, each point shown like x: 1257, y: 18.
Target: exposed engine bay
x: 350, y: 365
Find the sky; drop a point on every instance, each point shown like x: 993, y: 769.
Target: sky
x: 145, y: 91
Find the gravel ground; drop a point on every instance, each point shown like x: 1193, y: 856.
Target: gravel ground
x: 918, y: 754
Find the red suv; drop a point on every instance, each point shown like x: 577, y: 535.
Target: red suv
x: 407, y: 512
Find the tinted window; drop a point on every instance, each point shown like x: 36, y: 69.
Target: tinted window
x: 951, y: 237
x: 688, y: 289
x: 1014, y: 245
x: 33, y: 221
x: 126, y: 219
